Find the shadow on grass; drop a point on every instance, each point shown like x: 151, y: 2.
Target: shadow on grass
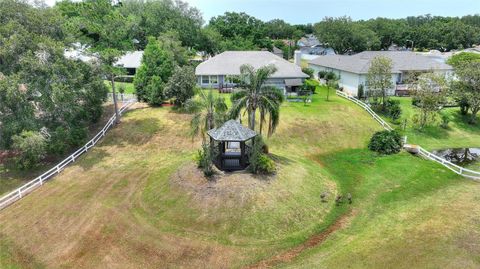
x: 132, y: 132
x: 462, y: 122
x: 93, y: 157
x: 436, y: 132
x: 280, y: 159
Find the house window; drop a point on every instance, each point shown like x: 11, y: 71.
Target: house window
x: 213, y: 79
x: 205, y: 80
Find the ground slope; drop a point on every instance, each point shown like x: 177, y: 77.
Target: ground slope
x: 121, y: 204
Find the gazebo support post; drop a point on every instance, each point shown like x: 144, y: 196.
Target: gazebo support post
x: 242, y: 154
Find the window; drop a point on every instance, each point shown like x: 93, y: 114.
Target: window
x: 213, y: 79
x: 205, y: 80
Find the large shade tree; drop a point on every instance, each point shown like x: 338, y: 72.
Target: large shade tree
x: 40, y: 89
x: 255, y: 95
x: 100, y: 25
x: 468, y: 87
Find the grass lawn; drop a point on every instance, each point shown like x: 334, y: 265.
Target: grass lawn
x: 127, y: 204
x: 459, y: 134
x: 11, y: 179
x: 129, y: 89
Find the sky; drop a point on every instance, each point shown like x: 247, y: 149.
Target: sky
x: 311, y: 11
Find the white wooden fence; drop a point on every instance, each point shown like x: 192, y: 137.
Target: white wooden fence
x: 455, y: 168
x: 421, y: 151
x: 122, y: 97
x: 37, y: 182
x: 367, y: 108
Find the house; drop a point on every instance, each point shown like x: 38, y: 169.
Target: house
x: 308, y: 40
x: 131, y: 61
x: 310, y: 45
x: 352, y: 70
x: 223, y: 70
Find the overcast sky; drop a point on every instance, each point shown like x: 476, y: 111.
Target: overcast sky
x: 305, y: 11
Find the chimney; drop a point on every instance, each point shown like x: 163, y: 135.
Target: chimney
x: 297, y: 58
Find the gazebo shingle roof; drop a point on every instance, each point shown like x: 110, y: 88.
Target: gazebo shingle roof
x: 232, y: 130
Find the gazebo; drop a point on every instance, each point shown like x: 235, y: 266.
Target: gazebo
x: 233, y: 151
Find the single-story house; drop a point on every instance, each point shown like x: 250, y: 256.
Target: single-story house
x: 352, y: 70
x: 223, y: 70
x: 131, y: 61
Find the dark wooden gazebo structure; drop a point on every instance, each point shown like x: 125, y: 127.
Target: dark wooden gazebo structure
x: 233, y: 151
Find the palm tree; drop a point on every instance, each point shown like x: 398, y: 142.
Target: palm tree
x: 209, y: 111
x: 254, y: 94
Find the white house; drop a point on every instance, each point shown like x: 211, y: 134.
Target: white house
x: 352, y: 70
x: 131, y: 61
x: 223, y: 70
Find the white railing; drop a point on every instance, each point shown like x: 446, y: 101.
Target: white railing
x: 455, y: 168
x: 367, y: 108
x: 17, y: 194
x: 122, y: 97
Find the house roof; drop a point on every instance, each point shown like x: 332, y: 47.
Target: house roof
x: 229, y: 63
x: 360, y: 63
x: 131, y: 59
x: 277, y: 50
x: 309, y: 40
x: 232, y: 130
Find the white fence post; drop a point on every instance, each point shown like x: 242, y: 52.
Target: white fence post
x: 17, y: 194
x: 422, y: 152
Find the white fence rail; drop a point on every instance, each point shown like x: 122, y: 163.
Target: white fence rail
x: 122, y: 97
x: 367, y: 108
x: 17, y: 194
x: 421, y: 151
x: 455, y: 168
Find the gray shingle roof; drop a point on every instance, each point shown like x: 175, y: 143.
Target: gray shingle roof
x: 360, y: 63
x: 231, y: 130
x: 130, y: 60
x: 229, y: 63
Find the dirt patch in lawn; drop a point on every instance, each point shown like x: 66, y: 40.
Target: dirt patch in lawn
x: 315, y: 240
x: 237, y: 188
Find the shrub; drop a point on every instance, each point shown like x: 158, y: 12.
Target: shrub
x: 445, y: 121
x: 386, y: 142
x: 260, y: 163
x: 330, y: 76
x: 394, y: 109
x: 204, y: 158
x: 265, y: 165
x: 155, y: 91
x: 308, y: 71
x: 31, y: 147
x: 322, y: 74
x: 181, y: 85
x: 361, y: 91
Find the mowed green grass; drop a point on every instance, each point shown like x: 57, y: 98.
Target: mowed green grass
x: 459, y: 133
x: 412, y: 214
x: 117, y: 207
x: 121, y: 192
x: 128, y: 86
